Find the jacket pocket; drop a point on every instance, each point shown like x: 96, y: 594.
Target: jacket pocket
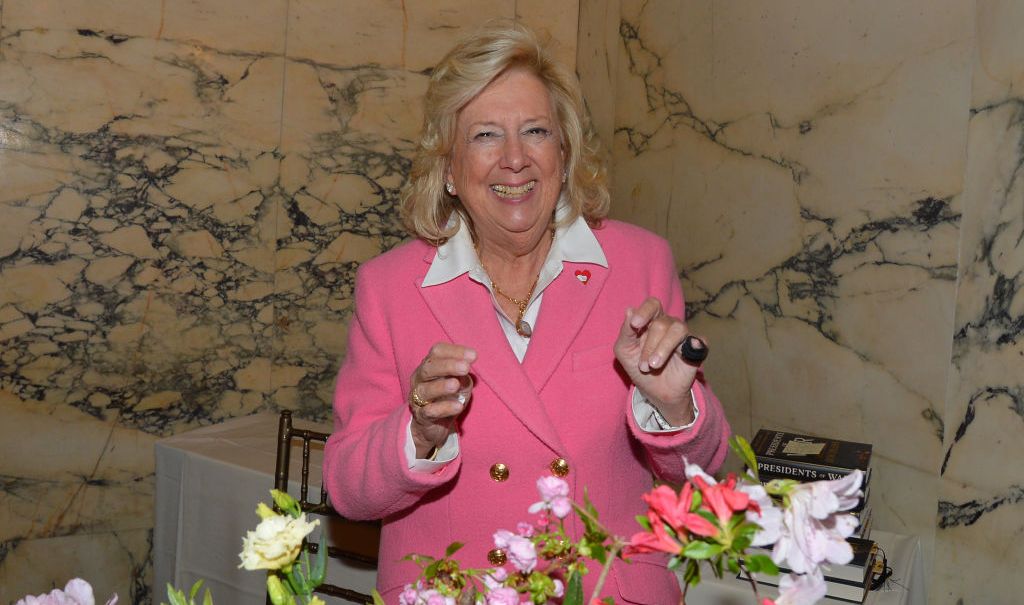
x: 646, y: 581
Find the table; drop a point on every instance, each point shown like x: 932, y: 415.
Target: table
x: 208, y: 482
x: 210, y: 479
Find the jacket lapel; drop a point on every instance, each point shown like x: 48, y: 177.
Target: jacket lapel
x: 565, y: 308
x: 464, y: 309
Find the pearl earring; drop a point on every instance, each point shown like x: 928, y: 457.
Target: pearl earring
x: 449, y: 188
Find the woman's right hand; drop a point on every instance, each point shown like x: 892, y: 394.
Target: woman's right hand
x: 441, y: 389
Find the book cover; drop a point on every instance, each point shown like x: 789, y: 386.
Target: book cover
x: 807, y: 457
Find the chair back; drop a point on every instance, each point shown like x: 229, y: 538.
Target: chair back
x: 353, y: 542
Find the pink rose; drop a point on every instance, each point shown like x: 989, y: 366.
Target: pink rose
x: 551, y: 487
x: 495, y: 579
x: 561, y: 507
x: 554, y: 494
x: 522, y: 554
x: 408, y: 596
x: 503, y: 596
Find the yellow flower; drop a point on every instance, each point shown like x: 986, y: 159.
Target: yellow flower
x: 275, y: 543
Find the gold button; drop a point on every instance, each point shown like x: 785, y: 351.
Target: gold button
x: 496, y: 556
x: 559, y: 467
x: 499, y: 472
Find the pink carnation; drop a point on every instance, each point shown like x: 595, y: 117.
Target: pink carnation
x: 503, y: 596
x: 522, y: 554
x: 554, y: 494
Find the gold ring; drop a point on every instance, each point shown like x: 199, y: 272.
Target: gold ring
x: 416, y: 399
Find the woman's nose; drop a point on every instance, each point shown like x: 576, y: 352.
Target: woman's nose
x: 513, y: 155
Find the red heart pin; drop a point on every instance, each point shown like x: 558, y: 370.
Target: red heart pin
x: 583, y: 275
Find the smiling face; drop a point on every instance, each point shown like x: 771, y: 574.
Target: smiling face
x: 507, y: 161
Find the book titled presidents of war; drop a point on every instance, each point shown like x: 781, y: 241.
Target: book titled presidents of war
x: 806, y: 457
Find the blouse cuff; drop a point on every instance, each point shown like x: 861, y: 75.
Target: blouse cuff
x: 651, y: 420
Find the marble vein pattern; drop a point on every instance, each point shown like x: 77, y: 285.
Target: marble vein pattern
x: 981, y: 496
x: 818, y: 242
x: 188, y: 191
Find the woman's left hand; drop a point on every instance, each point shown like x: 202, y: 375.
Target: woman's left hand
x: 648, y: 349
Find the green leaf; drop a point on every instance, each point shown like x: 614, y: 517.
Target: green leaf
x: 573, y: 590
x: 431, y: 570
x: 695, y: 503
x: 741, y: 542
x: 701, y: 550
x: 195, y: 589
x: 716, y: 566
x: 377, y: 599
x: 317, y: 574
x: 644, y: 522
x: 207, y: 598
x: 175, y: 596
x: 599, y: 553
x: 762, y: 564
x: 692, y: 573
x: 732, y: 564
x: 453, y: 548
x: 743, y: 450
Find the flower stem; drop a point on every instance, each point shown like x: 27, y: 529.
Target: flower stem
x: 750, y: 578
x: 613, y: 553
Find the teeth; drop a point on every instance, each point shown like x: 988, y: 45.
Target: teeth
x: 509, y: 191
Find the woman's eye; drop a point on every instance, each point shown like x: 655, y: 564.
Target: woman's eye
x: 538, y: 132
x: 486, y: 134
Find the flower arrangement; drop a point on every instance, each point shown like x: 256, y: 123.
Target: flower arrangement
x: 706, y: 522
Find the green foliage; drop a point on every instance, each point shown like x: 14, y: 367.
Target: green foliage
x: 453, y: 548
x: 691, y: 575
x: 574, y: 590
x: 177, y: 597
x: 741, y: 447
x: 698, y: 549
x: 762, y: 564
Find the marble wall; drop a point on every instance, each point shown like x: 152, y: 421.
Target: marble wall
x: 187, y: 190
x: 842, y: 184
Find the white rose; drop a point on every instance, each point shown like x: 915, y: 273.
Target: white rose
x: 275, y: 543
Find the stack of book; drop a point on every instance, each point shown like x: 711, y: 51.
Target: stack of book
x: 782, y: 455
x: 849, y: 583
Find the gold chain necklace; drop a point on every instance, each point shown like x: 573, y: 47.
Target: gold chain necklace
x: 522, y: 326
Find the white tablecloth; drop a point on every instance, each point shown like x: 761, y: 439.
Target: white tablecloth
x: 208, y: 482
x: 210, y: 479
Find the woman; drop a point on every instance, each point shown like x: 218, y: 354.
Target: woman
x: 520, y: 335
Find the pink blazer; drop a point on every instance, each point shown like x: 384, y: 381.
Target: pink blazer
x: 566, y: 400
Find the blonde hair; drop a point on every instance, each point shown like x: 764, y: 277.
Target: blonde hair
x: 460, y: 76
